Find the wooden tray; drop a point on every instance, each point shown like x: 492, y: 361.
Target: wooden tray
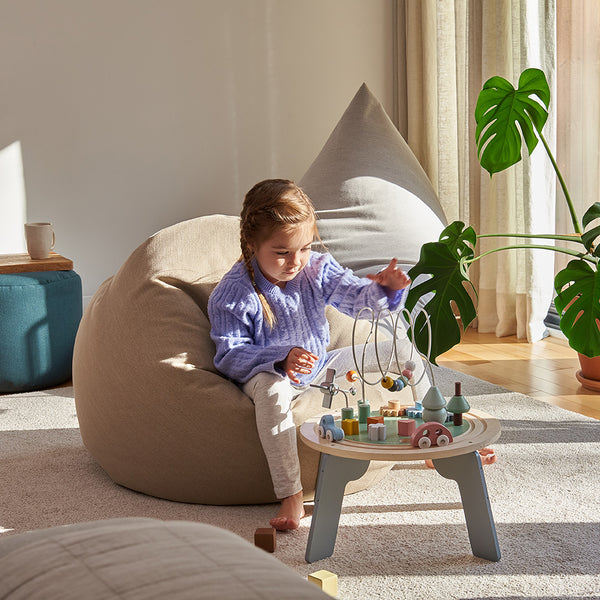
x: 23, y: 263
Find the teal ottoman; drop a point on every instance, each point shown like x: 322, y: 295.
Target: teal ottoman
x: 39, y: 317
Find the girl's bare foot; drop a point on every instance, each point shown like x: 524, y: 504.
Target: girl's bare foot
x: 290, y: 513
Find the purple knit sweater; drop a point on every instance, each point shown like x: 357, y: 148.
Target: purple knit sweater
x: 245, y: 343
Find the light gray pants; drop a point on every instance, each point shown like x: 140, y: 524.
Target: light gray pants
x: 274, y: 396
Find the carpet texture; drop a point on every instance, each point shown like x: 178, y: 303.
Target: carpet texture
x: 405, y: 538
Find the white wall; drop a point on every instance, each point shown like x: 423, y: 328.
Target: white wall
x: 132, y: 115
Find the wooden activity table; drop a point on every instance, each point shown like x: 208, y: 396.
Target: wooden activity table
x: 348, y: 459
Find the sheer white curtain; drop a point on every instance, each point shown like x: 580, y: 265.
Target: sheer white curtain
x: 578, y: 120
x: 447, y: 49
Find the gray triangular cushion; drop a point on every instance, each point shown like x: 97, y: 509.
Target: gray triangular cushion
x: 372, y: 196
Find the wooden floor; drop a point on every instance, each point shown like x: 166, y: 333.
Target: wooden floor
x: 544, y: 370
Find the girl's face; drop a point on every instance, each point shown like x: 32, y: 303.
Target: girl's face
x: 282, y: 256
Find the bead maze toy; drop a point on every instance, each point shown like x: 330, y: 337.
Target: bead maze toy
x: 394, y: 423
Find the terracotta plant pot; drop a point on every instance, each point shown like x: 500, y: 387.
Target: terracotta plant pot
x: 589, y: 376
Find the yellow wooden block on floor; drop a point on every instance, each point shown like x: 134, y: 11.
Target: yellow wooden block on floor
x: 326, y: 580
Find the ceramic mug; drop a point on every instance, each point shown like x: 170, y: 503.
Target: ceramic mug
x: 40, y: 239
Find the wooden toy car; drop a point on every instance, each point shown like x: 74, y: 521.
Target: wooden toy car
x: 430, y: 434
x: 329, y: 430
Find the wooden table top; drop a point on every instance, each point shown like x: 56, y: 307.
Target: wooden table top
x: 23, y: 263
x: 483, y: 431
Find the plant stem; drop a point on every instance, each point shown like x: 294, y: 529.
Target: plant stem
x: 563, y: 185
x: 541, y: 236
x: 582, y: 256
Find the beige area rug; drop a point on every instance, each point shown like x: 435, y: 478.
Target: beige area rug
x: 405, y: 538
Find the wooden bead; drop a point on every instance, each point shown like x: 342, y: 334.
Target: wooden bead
x: 352, y: 376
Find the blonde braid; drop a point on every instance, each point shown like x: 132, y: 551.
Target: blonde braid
x: 247, y: 258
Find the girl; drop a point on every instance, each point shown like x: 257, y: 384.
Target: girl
x: 268, y: 321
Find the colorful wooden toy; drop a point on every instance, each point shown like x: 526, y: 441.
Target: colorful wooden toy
x: 406, y: 427
x: 364, y: 412
x: 377, y: 431
x: 330, y: 388
x: 265, y: 538
x: 487, y: 456
x: 458, y: 404
x: 352, y: 376
x: 393, y: 409
x: 326, y: 580
x: 329, y: 430
x: 431, y: 434
x: 410, y: 364
x: 375, y: 419
x: 350, y: 426
x: 347, y: 412
x: 414, y: 412
x: 407, y: 373
x: 393, y: 385
x: 434, y: 405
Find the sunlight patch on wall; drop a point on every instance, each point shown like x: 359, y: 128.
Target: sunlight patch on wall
x: 12, y: 200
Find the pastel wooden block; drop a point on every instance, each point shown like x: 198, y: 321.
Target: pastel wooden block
x: 350, y: 426
x: 326, y: 580
x: 265, y: 538
x: 372, y: 431
x: 347, y: 413
x: 377, y: 431
x: 371, y: 420
x: 388, y: 411
x: 364, y: 412
x: 406, y: 427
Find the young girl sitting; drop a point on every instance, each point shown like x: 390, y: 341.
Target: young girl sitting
x: 268, y: 321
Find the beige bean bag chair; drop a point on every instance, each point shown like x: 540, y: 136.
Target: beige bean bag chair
x: 152, y: 409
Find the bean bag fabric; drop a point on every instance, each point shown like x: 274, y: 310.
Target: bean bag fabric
x: 152, y: 409
x: 373, y: 198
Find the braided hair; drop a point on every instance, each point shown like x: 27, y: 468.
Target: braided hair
x: 271, y: 205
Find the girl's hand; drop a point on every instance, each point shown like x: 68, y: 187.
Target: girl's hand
x: 391, y: 277
x: 298, y: 360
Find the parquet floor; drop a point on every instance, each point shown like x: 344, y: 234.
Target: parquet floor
x: 544, y: 370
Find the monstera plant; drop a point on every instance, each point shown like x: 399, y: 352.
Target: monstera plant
x: 505, y: 117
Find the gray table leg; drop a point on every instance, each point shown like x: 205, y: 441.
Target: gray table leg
x: 334, y: 473
x: 467, y: 471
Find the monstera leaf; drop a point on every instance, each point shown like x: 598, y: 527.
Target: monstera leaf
x: 588, y: 237
x: 443, y: 264
x: 578, y: 304
x: 503, y: 114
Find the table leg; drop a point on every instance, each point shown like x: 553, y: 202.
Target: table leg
x: 467, y: 471
x: 334, y: 473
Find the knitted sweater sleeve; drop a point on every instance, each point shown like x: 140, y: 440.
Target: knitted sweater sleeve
x: 349, y: 293
x: 236, y: 316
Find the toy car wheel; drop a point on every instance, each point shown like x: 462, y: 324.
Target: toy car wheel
x: 329, y: 435
x: 321, y: 431
x: 424, y: 442
x: 443, y: 440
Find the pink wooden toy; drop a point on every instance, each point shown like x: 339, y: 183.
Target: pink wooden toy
x: 406, y: 427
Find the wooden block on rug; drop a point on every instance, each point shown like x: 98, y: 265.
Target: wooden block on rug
x: 326, y: 580
x: 265, y: 538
